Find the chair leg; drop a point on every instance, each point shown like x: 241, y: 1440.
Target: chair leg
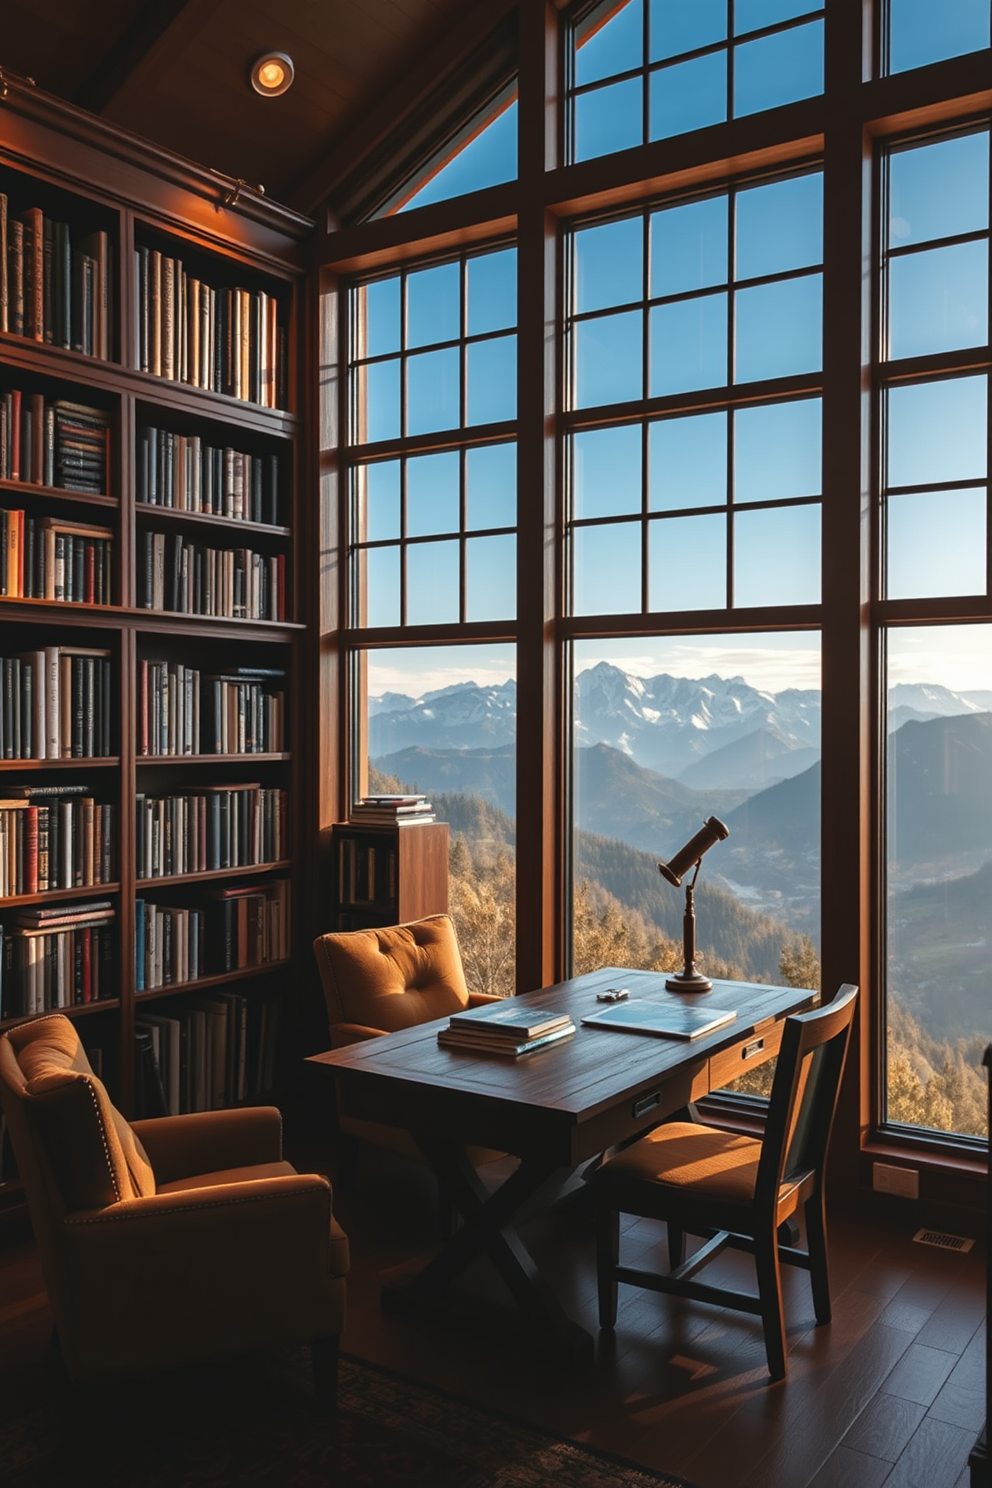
x: 816, y: 1244
x: 769, y: 1272
x: 324, y: 1352
x: 676, y: 1246
x: 607, y: 1260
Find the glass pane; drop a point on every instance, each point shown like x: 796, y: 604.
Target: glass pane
x: 613, y: 48
x: 378, y: 319
x: 777, y: 452
x: 432, y: 583
x: 779, y: 227
x: 938, y: 299
x: 492, y: 380
x: 779, y: 329
x: 606, y: 472
x: 607, y: 569
x: 688, y: 462
x: 434, y: 305
x: 608, y: 359
x: 491, y: 486
x: 939, y: 190
x: 935, y: 544
x: 380, y: 596
x: 379, y: 488
x: 677, y: 27
x: 687, y: 563
x: 689, y: 345
x: 778, y: 69
x: 487, y: 160
x: 922, y: 32
x: 608, y: 119
x: 777, y: 556
x: 689, y: 95
x: 609, y: 264
x: 378, y: 401
x: 492, y: 292
x: 426, y: 711
x: 432, y: 494
x: 752, y: 15
x: 939, y: 844
x: 491, y: 578
x: 689, y: 247
x: 937, y: 431
x: 432, y: 391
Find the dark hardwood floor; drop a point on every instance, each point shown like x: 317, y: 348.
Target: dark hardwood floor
x: 892, y: 1392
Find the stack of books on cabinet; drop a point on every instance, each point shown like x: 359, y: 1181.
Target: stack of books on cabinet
x: 150, y: 652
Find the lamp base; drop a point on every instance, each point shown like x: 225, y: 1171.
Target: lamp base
x: 683, y: 983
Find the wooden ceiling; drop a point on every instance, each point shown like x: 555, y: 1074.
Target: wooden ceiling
x: 176, y: 71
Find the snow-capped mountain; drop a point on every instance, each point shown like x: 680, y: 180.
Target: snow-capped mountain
x: 465, y: 716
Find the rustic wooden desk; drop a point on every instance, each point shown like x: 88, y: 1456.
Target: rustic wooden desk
x: 554, y: 1109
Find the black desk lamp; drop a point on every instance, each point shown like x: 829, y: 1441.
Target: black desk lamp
x: 712, y: 830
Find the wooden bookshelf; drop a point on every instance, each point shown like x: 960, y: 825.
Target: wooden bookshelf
x: 388, y: 875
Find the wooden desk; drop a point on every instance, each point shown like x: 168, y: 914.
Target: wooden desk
x: 554, y: 1109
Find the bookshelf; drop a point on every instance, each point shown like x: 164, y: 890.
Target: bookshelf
x: 388, y: 875
x: 154, y: 646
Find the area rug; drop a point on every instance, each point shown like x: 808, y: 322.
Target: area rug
x: 252, y: 1425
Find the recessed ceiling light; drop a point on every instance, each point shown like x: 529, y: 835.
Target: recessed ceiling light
x: 272, y: 74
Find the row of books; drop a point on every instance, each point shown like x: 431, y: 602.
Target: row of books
x: 54, y: 443
x: 56, y: 957
x: 223, y: 340
x: 52, y: 289
x: 55, y: 704
x: 214, y: 1052
x: 240, y: 712
x: 184, y: 473
x: 391, y: 811
x: 232, y: 583
x: 51, y: 558
x: 366, y: 871
x: 510, y: 1028
x: 210, y: 828
x: 54, y: 837
x: 235, y: 929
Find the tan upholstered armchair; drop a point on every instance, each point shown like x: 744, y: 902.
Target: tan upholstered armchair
x: 181, y: 1238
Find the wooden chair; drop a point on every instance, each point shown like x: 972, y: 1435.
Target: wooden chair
x: 736, y: 1190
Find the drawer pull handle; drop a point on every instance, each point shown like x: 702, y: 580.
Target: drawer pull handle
x: 647, y: 1103
x: 754, y: 1047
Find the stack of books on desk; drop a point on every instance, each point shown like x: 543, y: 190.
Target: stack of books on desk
x: 509, y: 1027
x: 392, y: 811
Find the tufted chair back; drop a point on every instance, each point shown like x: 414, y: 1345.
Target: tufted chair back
x: 385, y: 980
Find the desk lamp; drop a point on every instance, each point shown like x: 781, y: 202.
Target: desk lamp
x: 712, y: 830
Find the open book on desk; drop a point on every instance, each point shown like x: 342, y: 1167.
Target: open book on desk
x: 664, y: 1020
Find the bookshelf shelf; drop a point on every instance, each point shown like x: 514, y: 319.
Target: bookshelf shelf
x: 54, y: 896
x: 219, y: 979
x: 94, y: 762
x: 145, y: 510
x: 75, y: 1010
x: 251, y: 870
x: 32, y: 489
x: 210, y: 759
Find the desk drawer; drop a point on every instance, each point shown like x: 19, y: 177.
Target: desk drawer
x: 748, y: 1054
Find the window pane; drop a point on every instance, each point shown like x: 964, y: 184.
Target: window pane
x: 778, y: 69
x: 609, y: 264
x: 688, y: 462
x: 608, y: 355
x: 677, y: 27
x: 922, y: 32
x: 779, y: 329
x: 606, y: 472
x: 492, y: 380
x: 751, y: 15
x: 379, y: 317
x: 779, y: 227
x: 379, y: 597
x: 608, y: 119
x: 613, y: 48
x: 938, y: 299
x: 689, y: 247
x: 432, y: 583
x: 432, y: 494
x: 378, y: 395
x: 379, y: 501
x: 687, y: 563
x: 936, y: 543
x: 607, y: 569
x: 491, y: 486
x: 937, y: 431
x: 777, y: 452
x: 689, y: 95
x: 485, y: 161
x: 491, y: 578
x: 433, y: 305
x: 939, y: 190
x: 492, y: 292
x: 689, y: 345
x: 777, y: 556
x: 938, y: 845
x: 432, y: 391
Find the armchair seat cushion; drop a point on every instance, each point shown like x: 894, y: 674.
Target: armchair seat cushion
x: 229, y: 1175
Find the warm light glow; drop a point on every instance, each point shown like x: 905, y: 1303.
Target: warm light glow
x: 272, y: 74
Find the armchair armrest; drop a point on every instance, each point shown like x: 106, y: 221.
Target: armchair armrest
x: 208, y: 1141
x: 343, y: 1034
x: 479, y: 999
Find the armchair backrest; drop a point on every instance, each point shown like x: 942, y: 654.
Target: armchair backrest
x: 392, y: 978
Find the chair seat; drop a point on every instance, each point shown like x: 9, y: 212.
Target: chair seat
x: 682, y: 1155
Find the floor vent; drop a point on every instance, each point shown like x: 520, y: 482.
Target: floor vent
x: 942, y: 1241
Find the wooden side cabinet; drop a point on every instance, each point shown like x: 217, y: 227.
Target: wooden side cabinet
x: 388, y: 875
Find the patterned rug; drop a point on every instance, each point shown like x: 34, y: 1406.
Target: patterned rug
x: 251, y: 1424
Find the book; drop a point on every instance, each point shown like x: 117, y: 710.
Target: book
x: 663, y: 1020
x: 508, y: 1019
x: 457, y: 1038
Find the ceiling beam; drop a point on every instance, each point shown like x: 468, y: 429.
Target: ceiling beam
x: 161, y: 30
